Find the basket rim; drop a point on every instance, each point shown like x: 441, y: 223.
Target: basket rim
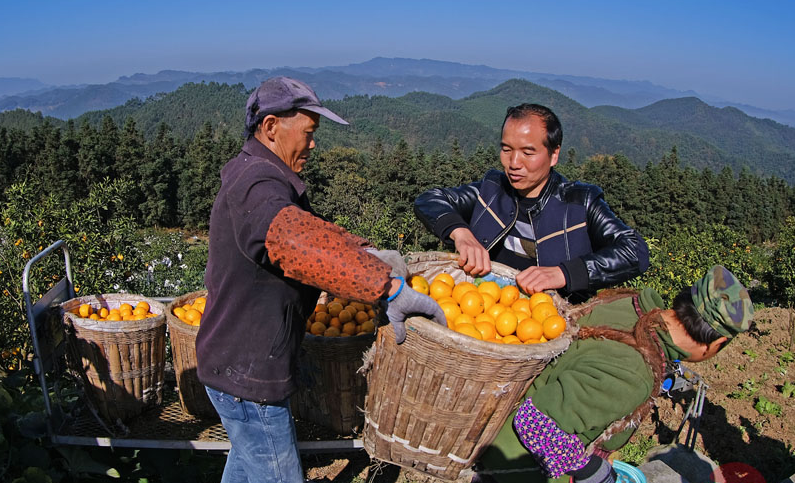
x: 174, y: 322
x: 110, y: 325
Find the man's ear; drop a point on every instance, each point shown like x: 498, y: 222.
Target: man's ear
x: 554, y: 158
x: 269, y: 126
x: 717, y: 344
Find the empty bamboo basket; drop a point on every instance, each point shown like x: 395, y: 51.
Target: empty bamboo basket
x: 435, y: 402
x: 121, y: 362
x: 193, y: 398
x: 331, y: 391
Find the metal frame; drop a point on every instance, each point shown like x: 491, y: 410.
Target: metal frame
x: 88, y: 429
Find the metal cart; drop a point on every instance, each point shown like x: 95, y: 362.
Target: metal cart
x: 164, y: 427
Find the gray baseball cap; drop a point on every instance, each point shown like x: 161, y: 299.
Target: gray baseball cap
x: 281, y: 94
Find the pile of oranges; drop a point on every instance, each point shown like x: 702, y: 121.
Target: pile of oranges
x: 191, y: 313
x: 125, y: 311
x: 493, y: 313
x: 341, y: 318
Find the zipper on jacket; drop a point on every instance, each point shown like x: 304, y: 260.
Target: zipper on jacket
x: 507, y: 227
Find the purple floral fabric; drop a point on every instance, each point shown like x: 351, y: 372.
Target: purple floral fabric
x: 556, y: 451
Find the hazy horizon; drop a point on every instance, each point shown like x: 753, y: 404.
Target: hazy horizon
x: 730, y: 50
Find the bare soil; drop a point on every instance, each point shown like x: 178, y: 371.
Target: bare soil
x: 755, y: 365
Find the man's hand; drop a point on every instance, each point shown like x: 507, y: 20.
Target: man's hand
x: 537, y: 279
x: 408, y: 302
x: 473, y: 258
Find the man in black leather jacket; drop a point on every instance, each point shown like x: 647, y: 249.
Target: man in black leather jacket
x: 562, y: 235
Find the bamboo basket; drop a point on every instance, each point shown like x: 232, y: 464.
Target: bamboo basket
x: 121, y: 362
x: 439, y: 399
x: 331, y: 391
x: 193, y: 398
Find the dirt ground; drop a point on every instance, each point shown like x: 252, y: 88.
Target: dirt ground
x: 756, y: 366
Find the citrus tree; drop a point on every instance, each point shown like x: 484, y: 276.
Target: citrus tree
x: 782, y: 271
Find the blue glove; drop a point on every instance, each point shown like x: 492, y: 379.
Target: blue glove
x: 406, y: 302
x: 392, y: 258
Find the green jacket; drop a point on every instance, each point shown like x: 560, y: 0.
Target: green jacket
x: 594, y: 383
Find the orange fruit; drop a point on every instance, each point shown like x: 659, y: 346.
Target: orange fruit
x: 85, y: 310
x: 490, y: 287
x: 495, y: 340
x: 418, y: 283
x: 349, y: 328
x: 510, y: 339
x: 317, y: 328
x: 532, y: 341
x: 103, y: 312
x: 554, y: 326
x: 368, y: 327
x: 361, y: 317
x: 141, y: 310
x: 115, y: 316
x: 322, y: 317
x: 445, y: 300
x: 461, y: 288
x: 345, y: 316
x: 446, y: 278
x: 341, y: 300
x: 470, y: 330
x: 321, y: 308
x: 539, y: 298
x: 509, y: 295
x: 334, y: 308
x: 451, y: 311
x: 139, y: 316
x: 496, y: 309
x: 505, y: 323
x: 124, y: 307
x: 439, y: 289
x: 463, y: 319
x: 94, y: 316
x: 522, y: 305
x: 334, y: 322
x: 193, y: 315
x: 486, y: 329
x: 544, y: 310
x: 484, y: 317
x: 179, y: 312
x: 529, y: 328
x: 488, y: 301
x: 332, y: 332
x: 144, y: 305
x: 472, y: 303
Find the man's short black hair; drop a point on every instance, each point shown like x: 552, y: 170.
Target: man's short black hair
x: 252, y: 130
x: 695, y: 325
x: 551, y: 122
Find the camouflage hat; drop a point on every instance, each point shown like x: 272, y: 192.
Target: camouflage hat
x: 723, y: 302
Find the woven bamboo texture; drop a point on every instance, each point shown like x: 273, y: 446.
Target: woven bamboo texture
x: 193, y: 398
x: 121, y: 363
x: 331, y: 391
x: 439, y: 399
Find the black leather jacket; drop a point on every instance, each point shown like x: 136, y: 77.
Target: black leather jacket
x: 574, y: 227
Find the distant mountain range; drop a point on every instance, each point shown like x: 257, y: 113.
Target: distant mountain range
x: 391, y: 77
x: 705, y: 136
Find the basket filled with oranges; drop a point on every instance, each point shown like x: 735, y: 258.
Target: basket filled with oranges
x: 184, y: 317
x: 436, y: 401
x: 117, y: 345
x: 331, y: 391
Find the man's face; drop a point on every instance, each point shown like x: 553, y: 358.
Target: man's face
x: 524, y: 157
x: 295, y: 137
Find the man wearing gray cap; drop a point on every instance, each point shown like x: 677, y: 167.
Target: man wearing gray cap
x: 269, y: 257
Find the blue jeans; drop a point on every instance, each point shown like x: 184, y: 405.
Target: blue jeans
x: 264, y: 444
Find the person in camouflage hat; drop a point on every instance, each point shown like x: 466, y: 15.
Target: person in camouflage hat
x: 588, y: 402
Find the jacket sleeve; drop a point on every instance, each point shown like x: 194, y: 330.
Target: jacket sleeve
x: 442, y: 210
x: 319, y: 253
x: 619, y: 252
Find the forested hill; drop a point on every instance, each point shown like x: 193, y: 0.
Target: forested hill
x: 704, y: 136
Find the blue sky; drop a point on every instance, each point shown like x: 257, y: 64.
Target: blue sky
x: 736, y: 50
